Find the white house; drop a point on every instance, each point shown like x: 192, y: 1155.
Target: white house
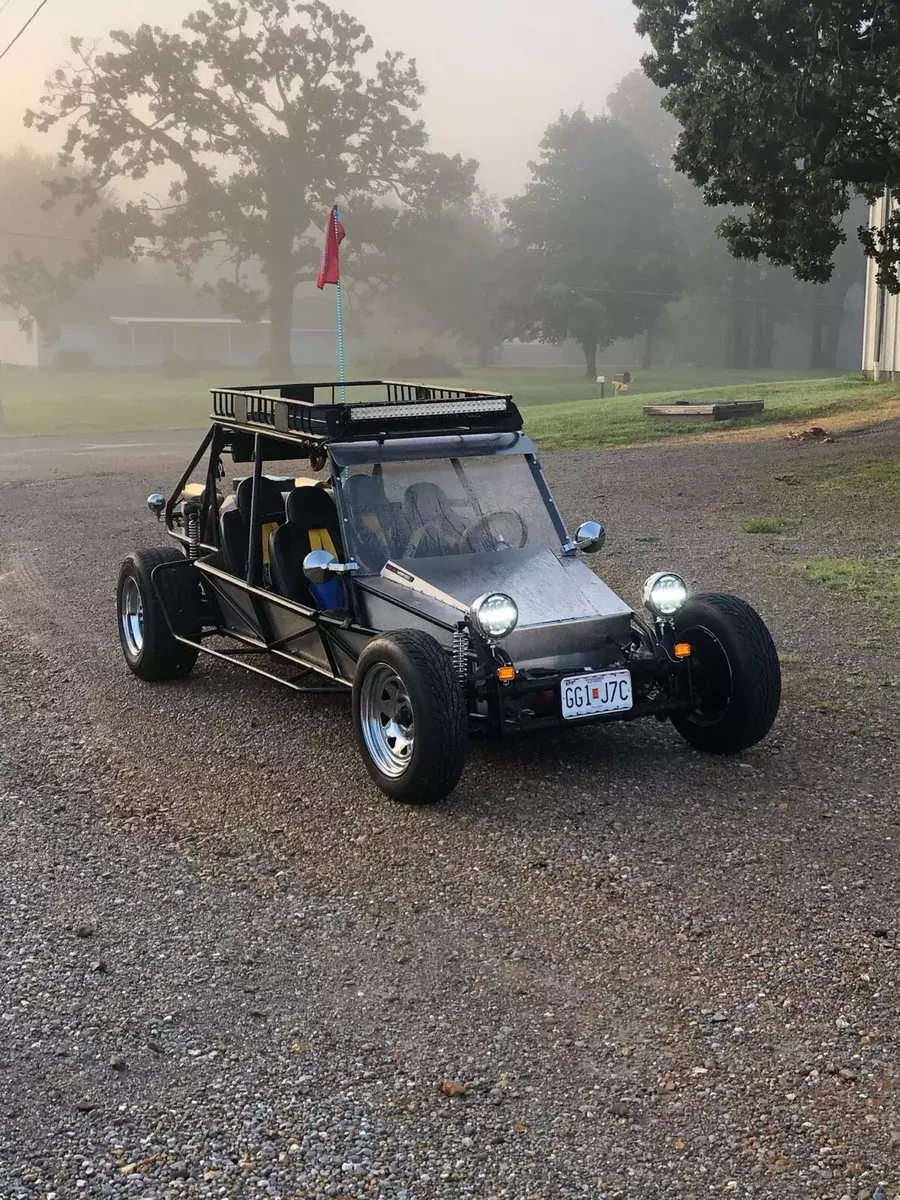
x: 119, y: 324
x: 881, y: 315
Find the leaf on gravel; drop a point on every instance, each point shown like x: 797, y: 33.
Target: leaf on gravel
x: 452, y: 1087
x: 814, y: 434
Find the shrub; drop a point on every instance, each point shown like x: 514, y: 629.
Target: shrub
x: 424, y: 364
x: 72, y: 360
x: 176, y: 367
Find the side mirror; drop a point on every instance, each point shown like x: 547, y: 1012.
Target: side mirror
x: 156, y: 503
x: 590, y: 537
x: 317, y: 564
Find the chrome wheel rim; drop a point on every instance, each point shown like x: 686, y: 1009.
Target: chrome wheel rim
x: 386, y: 718
x: 132, y: 618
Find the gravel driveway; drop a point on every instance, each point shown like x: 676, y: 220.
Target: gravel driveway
x: 232, y: 968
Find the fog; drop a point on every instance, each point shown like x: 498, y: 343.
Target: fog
x: 497, y: 71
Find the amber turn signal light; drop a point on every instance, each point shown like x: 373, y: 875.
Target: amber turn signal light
x: 506, y: 674
x: 682, y: 650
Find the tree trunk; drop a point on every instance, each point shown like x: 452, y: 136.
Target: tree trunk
x: 646, y: 361
x: 281, y: 309
x: 833, y: 320
x: 738, y: 351
x: 487, y: 354
x: 763, y: 335
x: 831, y: 336
x: 815, y: 346
x: 590, y: 359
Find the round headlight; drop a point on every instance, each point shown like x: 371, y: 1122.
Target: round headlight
x: 495, y: 614
x: 664, y: 593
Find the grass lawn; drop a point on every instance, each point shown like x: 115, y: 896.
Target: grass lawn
x: 867, y: 491
x: 861, y: 479
x: 875, y: 579
x: 844, y: 401
x: 561, y: 406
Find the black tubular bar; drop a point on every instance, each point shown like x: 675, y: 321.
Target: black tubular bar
x: 254, y: 556
x: 179, y: 487
x: 237, y: 662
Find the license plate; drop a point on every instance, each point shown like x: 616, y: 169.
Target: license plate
x: 592, y: 695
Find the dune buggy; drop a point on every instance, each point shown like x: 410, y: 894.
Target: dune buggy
x: 421, y: 564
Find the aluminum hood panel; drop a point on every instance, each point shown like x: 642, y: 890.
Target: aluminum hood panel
x: 548, y: 588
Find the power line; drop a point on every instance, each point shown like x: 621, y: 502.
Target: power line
x: 22, y: 30
x: 56, y: 237
x: 4, y: 6
x: 702, y: 296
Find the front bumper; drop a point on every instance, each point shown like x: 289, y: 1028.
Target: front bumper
x: 661, y: 686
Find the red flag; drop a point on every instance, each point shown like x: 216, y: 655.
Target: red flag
x: 329, y: 265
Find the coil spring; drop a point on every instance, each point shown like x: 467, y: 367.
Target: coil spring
x: 461, y: 654
x: 192, y: 525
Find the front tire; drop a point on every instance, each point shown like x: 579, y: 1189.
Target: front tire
x: 150, y: 649
x: 409, y: 715
x: 735, y: 674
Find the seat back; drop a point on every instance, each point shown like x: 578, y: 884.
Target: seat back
x: 312, y: 524
x: 368, y: 505
x: 435, y: 529
x: 235, y: 524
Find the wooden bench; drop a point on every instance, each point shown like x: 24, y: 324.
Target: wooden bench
x: 719, y: 410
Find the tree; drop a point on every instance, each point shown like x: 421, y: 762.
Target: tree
x: 263, y: 112
x: 594, y: 238
x: 761, y: 296
x: 42, y: 245
x: 787, y: 110
x: 443, y: 269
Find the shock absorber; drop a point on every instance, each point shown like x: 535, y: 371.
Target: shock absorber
x: 192, y: 528
x: 461, y: 653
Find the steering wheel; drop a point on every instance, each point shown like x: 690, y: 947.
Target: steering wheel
x: 483, y: 526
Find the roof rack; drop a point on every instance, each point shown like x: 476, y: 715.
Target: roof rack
x: 376, y: 409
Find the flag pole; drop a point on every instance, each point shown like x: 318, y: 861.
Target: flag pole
x: 340, y: 319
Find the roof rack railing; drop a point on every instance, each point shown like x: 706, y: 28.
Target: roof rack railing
x: 295, y: 410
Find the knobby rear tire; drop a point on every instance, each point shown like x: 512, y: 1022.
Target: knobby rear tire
x: 159, y: 655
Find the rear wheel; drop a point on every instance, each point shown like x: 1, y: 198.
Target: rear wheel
x: 735, y: 674
x: 410, y: 717
x: 149, y: 647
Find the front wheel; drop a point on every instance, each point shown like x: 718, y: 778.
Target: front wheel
x: 410, y: 717
x: 735, y: 674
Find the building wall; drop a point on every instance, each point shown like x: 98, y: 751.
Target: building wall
x: 880, y: 309
x: 152, y: 346
x: 16, y: 346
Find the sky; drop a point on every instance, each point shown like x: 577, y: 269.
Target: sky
x: 497, y: 71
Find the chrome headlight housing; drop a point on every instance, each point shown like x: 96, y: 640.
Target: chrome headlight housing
x: 664, y: 594
x: 494, y: 615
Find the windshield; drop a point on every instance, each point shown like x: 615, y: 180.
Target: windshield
x: 438, y: 507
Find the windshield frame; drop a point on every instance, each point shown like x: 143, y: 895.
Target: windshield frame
x: 362, y: 454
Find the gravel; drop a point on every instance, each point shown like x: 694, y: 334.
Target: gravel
x: 606, y: 967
